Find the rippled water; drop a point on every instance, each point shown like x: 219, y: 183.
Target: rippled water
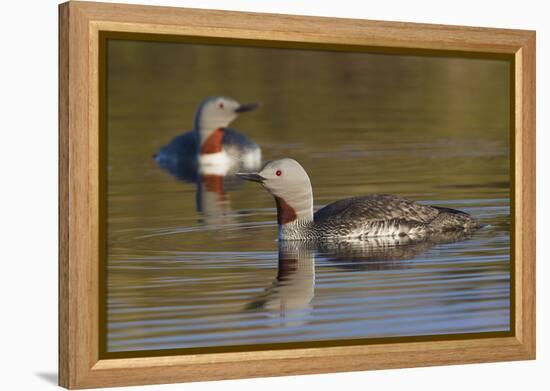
x: 197, y: 264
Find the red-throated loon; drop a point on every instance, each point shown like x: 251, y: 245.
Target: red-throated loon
x: 358, y: 217
x: 210, y: 143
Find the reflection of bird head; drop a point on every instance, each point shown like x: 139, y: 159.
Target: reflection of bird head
x: 213, y: 203
x: 290, y: 294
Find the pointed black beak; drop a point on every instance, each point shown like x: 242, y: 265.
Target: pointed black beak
x: 251, y: 176
x: 247, y: 107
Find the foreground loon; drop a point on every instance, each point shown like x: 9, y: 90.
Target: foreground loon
x: 210, y: 142
x: 352, y: 218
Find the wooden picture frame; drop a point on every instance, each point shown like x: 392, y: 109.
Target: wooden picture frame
x: 80, y: 26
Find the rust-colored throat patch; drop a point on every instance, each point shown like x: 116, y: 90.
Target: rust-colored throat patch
x: 285, y: 213
x: 213, y: 144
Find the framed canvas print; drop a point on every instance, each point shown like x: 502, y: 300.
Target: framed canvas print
x: 247, y: 195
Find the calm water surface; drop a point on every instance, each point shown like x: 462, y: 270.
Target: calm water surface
x: 197, y: 264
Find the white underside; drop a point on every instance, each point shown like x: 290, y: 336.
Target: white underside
x: 220, y: 163
x: 252, y: 160
x: 299, y: 231
x: 215, y: 163
x: 218, y: 158
x: 388, y: 230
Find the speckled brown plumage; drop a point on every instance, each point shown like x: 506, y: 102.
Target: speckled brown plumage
x: 285, y: 213
x: 380, y: 214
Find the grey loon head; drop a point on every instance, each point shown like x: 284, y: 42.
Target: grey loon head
x: 217, y: 112
x: 289, y: 184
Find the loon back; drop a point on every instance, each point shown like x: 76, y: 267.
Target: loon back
x: 233, y: 139
x: 384, y: 214
x: 375, y: 207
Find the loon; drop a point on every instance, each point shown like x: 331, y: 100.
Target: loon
x: 210, y: 143
x: 353, y: 218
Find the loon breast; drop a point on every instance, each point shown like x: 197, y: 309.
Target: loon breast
x: 222, y: 148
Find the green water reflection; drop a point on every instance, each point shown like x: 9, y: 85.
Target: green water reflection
x: 431, y: 129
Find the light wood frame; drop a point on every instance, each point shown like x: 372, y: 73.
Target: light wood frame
x: 79, y: 201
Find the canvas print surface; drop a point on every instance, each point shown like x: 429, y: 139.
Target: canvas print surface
x: 231, y: 173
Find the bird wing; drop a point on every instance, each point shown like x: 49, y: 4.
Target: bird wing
x: 178, y: 157
x: 234, y: 139
x: 376, y: 207
x: 182, y: 146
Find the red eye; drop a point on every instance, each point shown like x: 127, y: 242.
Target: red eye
x: 220, y: 105
x: 278, y: 173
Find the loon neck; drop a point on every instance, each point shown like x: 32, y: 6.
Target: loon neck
x: 295, y: 214
x: 297, y: 230
x: 210, y: 141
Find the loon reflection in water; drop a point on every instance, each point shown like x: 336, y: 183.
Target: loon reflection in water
x: 212, y: 200
x: 291, y: 293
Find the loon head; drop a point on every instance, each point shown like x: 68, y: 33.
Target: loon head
x: 214, y: 114
x: 289, y: 184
